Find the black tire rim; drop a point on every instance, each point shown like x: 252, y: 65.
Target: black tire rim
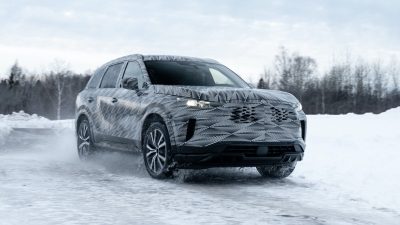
x: 84, y: 140
x: 156, y: 151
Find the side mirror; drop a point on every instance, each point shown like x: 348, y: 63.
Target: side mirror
x: 130, y: 83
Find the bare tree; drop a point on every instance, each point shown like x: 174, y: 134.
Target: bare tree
x: 379, y: 85
x: 61, y: 70
x: 294, y: 71
x: 360, y: 75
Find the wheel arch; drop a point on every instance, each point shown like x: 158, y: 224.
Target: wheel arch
x: 84, y: 115
x: 81, y: 117
x: 151, y: 117
x: 156, y: 116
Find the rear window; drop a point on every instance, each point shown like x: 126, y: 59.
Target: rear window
x: 111, y: 76
x: 192, y: 73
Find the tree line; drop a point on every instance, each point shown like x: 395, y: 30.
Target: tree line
x: 346, y: 87
x: 51, y: 94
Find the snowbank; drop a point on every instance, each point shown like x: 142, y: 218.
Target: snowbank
x: 358, y: 155
x: 24, y: 120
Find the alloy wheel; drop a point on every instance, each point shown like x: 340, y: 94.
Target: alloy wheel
x: 84, y: 140
x: 156, y: 154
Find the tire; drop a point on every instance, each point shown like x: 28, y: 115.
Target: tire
x: 85, y: 145
x: 277, y: 171
x: 156, y: 150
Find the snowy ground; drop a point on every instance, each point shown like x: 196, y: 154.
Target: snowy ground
x: 350, y: 175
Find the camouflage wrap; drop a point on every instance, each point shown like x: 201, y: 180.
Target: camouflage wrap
x: 239, y: 115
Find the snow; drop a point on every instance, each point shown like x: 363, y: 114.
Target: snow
x: 349, y: 176
x: 4, y: 132
x: 23, y: 120
x: 359, y: 154
x: 27, y: 121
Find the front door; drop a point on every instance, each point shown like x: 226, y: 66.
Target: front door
x: 130, y: 108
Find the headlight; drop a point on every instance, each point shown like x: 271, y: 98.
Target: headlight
x: 193, y: 103
x: 197, y: 104
x: 299, y: 107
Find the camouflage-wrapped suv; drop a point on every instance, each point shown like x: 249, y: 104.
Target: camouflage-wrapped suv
x: 183, y: 112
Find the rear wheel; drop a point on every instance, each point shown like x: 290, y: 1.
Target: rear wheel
x: 277, y: 171
x: 85, y: 142
x: 156, y: 151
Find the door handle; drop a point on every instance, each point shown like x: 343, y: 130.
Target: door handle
x: 114, y: 100
x: 90, y: 99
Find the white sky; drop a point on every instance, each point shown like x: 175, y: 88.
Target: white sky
x: 244, y: 35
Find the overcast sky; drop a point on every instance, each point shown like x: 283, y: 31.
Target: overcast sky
x: 244, y: 35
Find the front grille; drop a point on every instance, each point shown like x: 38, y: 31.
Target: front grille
x: 244, y: 114
x: 280, y: 114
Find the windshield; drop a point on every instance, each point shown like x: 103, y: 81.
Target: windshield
x: 192, y: 73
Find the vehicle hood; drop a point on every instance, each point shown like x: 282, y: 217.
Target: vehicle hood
x: 226, y: 94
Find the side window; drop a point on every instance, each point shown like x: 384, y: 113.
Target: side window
x: 220, y: 79
x: 133, y: 70
x: 95, y: 79
x: 111, y: 76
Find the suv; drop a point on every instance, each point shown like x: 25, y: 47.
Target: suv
x: 188, y: 113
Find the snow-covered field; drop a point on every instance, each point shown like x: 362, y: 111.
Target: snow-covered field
x: 350, y: 175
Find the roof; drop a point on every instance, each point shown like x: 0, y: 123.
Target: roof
x: 159, y: 58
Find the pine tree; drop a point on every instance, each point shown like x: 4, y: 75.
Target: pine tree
x: 15, y: 75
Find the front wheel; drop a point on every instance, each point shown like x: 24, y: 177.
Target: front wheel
x: 156, y: 151
x: 277, y: 171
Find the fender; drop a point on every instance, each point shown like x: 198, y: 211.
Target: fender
x: 165, y: 114
x: 83, y: 110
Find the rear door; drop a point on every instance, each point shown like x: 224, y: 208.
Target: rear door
x: 106, y: 102
x: 90, y: 99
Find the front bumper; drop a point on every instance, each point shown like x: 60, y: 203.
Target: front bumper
x: 238, y: 154
x: 244, y: 134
